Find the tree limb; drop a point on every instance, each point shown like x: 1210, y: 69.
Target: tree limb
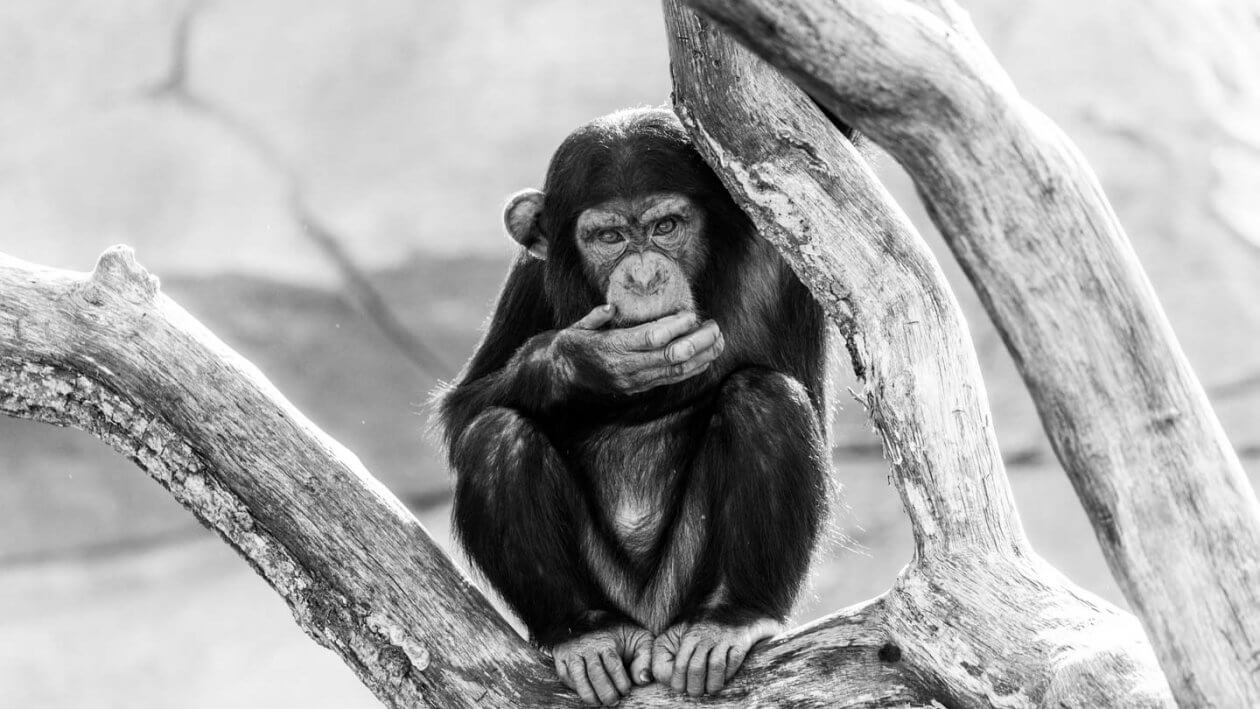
x: 977, y: 619
x: 107, y: 353
x: 1024, y: 214
x: 977, y: 614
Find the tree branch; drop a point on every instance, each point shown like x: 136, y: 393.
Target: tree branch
x: 977, y: 619
x: 977, y: 615
x: 107, y: 353
x: 1023, y: 213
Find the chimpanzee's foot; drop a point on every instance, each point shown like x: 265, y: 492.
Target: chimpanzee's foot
x: 594, y: 664
x: 700, y: 657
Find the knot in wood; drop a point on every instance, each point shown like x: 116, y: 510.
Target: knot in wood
x: 117, y: 270
x: 394, y: 663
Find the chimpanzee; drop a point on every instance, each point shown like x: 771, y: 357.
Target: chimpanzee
x: 639, y: 439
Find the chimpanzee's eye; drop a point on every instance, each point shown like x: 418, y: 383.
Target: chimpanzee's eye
x: 609, y: 236
x: 665, y: 226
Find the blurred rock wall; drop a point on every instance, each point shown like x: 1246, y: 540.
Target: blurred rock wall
x: 194, y: 130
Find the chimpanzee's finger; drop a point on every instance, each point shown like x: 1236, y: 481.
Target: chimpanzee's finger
x: 663, y: 656
x: 582, y: 684
x: 698, y: 668
x: 716, y: 670
x: 682, y: 662
x: 599, y: 681
x: 597, y: 318
x: 735, y: 659
x: 658, y: 333
x: 616, y: 670
x: 686, y: 347
x: 562, y: 671
x: 641, y: 661
x: 672, y: 374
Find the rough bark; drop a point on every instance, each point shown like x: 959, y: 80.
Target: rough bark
x: 1023, y: 213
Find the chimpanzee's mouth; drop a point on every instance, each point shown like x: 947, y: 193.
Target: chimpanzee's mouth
x: 641, y: 309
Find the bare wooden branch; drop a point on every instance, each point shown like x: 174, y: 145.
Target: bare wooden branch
x: 1024, y: 214
x: 108, y: 353
x: 977, y: 614
x: 976, y: 619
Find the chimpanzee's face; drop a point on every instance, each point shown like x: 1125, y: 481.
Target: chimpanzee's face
x: 643, y: 253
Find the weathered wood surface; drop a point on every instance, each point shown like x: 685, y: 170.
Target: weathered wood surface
x: 108, y: 353
x: 1023, y: 213
x: 976, y: 612
x: 977, y: 619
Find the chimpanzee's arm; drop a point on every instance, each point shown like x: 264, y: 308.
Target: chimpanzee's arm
x: 506, y: 369
x: 518, y: 512
x: 527, y: 364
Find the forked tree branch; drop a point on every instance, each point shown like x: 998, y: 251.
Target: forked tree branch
x: 977, y: 614
x: 107, y: 353
x: 975, y: 620
x: 1026, y: 218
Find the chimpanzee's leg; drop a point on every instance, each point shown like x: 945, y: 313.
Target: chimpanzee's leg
x: 763, y: 465
x: 520, y: 515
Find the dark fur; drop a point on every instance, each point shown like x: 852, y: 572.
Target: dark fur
x: 733, y: 461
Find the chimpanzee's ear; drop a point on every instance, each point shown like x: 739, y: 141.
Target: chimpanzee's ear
x: 520, y: 216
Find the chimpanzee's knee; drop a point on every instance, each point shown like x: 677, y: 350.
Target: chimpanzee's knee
x: 765, y: 426
x: 499, y: 444
x: 764, y: 398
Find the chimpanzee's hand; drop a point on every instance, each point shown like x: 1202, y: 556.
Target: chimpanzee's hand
x: 635, y: 359
x: 594, y: 664
x: 700, y: 657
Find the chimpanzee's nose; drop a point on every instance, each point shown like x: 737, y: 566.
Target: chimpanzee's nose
x: 644, y: 284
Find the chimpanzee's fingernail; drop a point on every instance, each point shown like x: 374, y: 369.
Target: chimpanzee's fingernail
x: 643, y: 677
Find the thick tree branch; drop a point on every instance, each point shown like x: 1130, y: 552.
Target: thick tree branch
x: 977, y: 619
x: 1025, y: 216
x: 107, y: 353
x: 810, y: 193
x: 977, y: 616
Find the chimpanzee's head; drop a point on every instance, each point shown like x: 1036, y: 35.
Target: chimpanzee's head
x: 626, y: 218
